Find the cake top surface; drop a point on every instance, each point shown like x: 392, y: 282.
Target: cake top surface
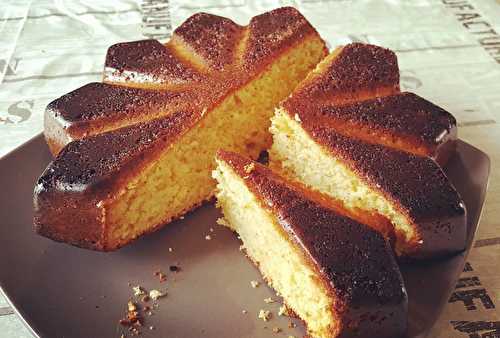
x: 207, y: 58
x: 213, y: 38
x: 151, y: 61
x: 100, y: 100
x: 353, y: 68
x: 273, y: 31
x: 354, y: 259
x: 88, y: 163
x: 404, y: 115
x: 416, y: 183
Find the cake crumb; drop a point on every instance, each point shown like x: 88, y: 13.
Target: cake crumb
x: 131, y: 307
x: 221, y: 221
x: 297, y: 118
x: 211, y: 229
x: 276, y: 329
x: 155, y: 294
x: 208, y: 237
x: 283, y: 311
x: 170, y: 249
x: 249, y: 168
x: 254, y: 284
x: 138, y: 291
x: 151, y: 328
x: 269, y: 300
x: 265, y: 315
x: 244, y: 312
x: 182, y: 217
x: 161, y: 276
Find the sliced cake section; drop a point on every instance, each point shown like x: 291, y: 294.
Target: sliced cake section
x: 373, y: 152
x: 337, y: 275
x: 411, y: 191
x: 145, y: 157
x: 208, y: 58
x: 350, y: 73
x: 402, y: 121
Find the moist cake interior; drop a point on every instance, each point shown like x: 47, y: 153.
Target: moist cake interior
x: 283, y: 267
x: 293, y: 151
x: 180, y: 177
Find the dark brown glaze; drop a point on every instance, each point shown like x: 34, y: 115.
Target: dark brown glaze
x: 71, y: 194
x: 147, y: 62
x: 95, y: 101
x: 99, y: 107
x: 405, y: 121
x: 213, y: 38
x: 416, y: 185
x: 272, y: 31
x: 357, y: 69
x: 201, y: 64
x: 354, y: 261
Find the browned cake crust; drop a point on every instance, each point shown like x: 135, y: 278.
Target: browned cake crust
x: 148, y: 63
x: 76, y: 187
x: 416, y: 185
x: 355, y: 263
x: 99, y: 107
x: 351, y: 73
x: 207, y: 58
x: 213, y: 38
x: 402, y: 121
x: 120, y: 128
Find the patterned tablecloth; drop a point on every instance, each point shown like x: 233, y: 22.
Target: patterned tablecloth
x: 448, y: 51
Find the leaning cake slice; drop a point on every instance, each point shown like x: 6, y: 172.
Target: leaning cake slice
x: 337, y: 275
x: 411, y: 191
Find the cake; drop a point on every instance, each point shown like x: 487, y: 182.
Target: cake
x: 336, y: 274
x: 376, y: 155
x: 351, y: 73
x: 136, y: 151
x: 207, y: 59
x: 401, y: 121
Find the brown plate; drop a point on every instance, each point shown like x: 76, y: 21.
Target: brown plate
x: 63, y: 291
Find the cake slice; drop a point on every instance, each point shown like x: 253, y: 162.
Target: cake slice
x: 374, y: 152
x: 337, y: 275
x: 355, y: 90
x: 139, y: 158
x: 412, y: 191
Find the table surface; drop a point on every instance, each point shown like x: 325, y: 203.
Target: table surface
x: 448, y: 52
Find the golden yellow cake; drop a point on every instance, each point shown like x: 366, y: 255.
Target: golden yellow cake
x: 376, y: 155
x: 337, y: 275
x: 137, y: 151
